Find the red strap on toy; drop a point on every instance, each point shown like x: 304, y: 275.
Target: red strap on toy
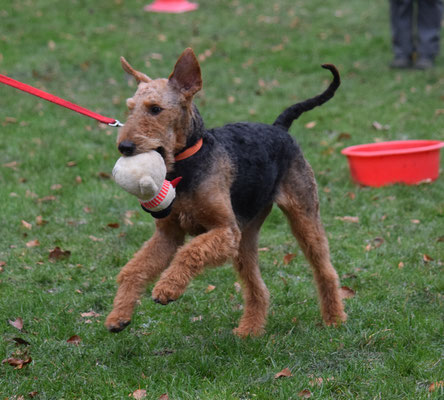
x: 57, y: 100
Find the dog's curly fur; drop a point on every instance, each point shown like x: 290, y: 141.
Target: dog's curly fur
x: 227, y: 190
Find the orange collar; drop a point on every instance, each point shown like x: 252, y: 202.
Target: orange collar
x: 190, y: 151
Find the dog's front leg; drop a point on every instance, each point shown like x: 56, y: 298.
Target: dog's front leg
x: 209, y: 249
x: 154, y: 256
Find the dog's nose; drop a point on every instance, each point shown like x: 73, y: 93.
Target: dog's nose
x: 127, y: 147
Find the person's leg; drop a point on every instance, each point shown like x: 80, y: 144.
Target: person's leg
x: 401, y: 20
x: 429, y: 29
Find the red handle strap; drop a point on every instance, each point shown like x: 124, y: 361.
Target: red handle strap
x: 57, y: 100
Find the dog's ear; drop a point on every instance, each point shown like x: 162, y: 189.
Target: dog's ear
x: 140, y: 76
x: 186, y: 76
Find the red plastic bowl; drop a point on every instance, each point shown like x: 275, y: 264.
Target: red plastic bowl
x: 404, y: 161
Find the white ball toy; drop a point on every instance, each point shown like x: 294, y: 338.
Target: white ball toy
x: 143, y: 175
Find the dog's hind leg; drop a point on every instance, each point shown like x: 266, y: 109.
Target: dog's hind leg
x: 297, y: 198
x: 154, y: 256
x: 256, y: 296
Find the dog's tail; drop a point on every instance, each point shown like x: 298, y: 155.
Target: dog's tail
x: 293, y: 112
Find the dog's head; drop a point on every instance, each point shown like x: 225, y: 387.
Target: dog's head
x: 160, y: 111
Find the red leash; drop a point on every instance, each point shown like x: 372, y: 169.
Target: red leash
x: 57, y: 100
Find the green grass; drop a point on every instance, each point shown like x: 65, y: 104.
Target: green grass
x: 264, y: 56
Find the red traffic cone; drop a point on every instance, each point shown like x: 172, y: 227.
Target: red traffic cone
x: 171, y: 6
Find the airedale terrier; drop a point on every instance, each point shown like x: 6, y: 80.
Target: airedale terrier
x: 231, y: 176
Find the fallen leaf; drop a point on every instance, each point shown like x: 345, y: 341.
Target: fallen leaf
x: 440, y: 239
x: 263, y: 249
x: 33, y: 394
x: 310, y: 125
x: 351, y: 195
x: 56, y: 186
x: 33, y: 243
x: 401, y: 265
x: 139, y: 394
x: 75, y: 340
x: 195, y: 319
x: 113, y: 225
x: 210, y: 288
x: 415, y: 221
x: 12, y: 164
x: 40, y: 221
x: 427, y: 258
x: 18, y: 323
x: 284, y: 373
x: 104, y: 175
x: 377, y: 242
x: 316, y: 381
x: 304, y: 394
x: 164, y: 397
x: 21, y: 341
x: 95, y: 239
x: 57, y: 253
x: 436, y: 385
x: 18, y: 363
x: 46, y: 199
x: 90, y: 314
x: 348, y: 218
x: 237, y: 287
x: 71, y: 164
x: 343, y: 136
x: 78, y: 179
x: 288, y: 257
x: 27, y: 225
x: 379, y: 127
x: 346, y: 292
x: 51, y: 45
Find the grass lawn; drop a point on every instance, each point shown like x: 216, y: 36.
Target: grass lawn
x: 257, y: 58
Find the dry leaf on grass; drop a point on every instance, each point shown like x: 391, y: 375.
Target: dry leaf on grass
x: 436, y: 385
x: 348, y: 218
x: 164, y: 397
x: 33, y: 243
x: 20, y: 341
x: 210, y: 288
x: 346, y: 292
x: 284, y: 373
x: 90, y: 314
x: 310, y: 125
x: 18, y: 363
x: 139, y: 394
x: 427, y: 258
x: 75, y: 339
x: 304, y: 394
x: 113, y: 225
x: 40, y: 221
x: 18, y: 323
x: 57, y: 253
x: 288, y: 257
x: 26, y: 225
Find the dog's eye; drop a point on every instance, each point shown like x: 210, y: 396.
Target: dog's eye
x: 155, y: 110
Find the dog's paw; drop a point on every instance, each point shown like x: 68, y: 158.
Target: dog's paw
x: 335, y: 320
x: 115, y: 324
x: 165, y: 293
x: 244, y: 331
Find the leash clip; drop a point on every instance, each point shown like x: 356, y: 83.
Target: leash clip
x: 115, y: 124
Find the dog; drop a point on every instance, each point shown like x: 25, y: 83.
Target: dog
x: 230, y: 178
